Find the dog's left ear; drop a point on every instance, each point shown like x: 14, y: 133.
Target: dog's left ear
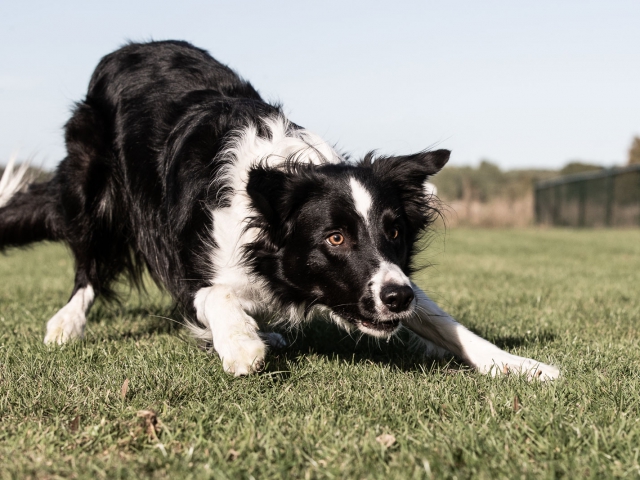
x: 411, y: 170
x: 407, y: 175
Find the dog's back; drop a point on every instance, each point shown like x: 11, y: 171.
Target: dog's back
x: 136, y: 178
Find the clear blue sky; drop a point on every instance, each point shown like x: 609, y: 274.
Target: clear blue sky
x: 523, y: 83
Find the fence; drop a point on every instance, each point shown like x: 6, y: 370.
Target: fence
x: 608, y: 197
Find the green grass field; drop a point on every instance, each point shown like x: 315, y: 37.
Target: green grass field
x: 570, y: 298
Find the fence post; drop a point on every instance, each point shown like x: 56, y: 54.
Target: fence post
x: 638, y: 175
x: 582, y: 206
x: 609, y: 206
x: 536, y: 206
x: 556, y: 204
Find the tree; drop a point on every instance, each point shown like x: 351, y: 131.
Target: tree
x: 578, y: 167
x: 634, y: 151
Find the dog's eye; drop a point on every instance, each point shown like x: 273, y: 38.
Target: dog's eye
x: 335, y: 239
x: 394, y: 233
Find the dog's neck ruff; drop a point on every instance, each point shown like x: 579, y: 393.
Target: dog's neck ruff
x: 230, y: 234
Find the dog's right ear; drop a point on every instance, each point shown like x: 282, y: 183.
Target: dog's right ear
x: 266, y: 188
x: 276, y: 194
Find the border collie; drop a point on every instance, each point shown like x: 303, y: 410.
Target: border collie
x: 176, y: 165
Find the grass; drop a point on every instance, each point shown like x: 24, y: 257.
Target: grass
x: 566, y: 297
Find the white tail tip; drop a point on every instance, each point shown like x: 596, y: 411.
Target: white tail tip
x: 13, y: 180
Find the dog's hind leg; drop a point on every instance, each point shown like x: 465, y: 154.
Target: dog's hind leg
x: 234, y: 333
x: 434, y: 325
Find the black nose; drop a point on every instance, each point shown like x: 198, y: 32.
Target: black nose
x: 397, y: 298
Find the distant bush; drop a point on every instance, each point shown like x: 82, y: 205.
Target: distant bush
x: 486, y: 196
x: 579, y: 167
x: 487, y: 182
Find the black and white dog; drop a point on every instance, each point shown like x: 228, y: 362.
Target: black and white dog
x: 175, y: 164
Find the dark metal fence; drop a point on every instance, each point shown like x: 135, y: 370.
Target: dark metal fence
x: 608, y: 197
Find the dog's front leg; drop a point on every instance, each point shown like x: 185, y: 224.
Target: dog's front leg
x: 433, y: 324
x: 235, y: 334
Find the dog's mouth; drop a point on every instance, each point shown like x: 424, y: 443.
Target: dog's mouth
x: 388, y: 326
x: 371, y: 326
x: 381, y: 326
x: 380, y: 329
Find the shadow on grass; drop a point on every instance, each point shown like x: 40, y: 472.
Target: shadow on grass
x: 324, y: 339
x: 507, y: 342
x: 137, y: 322
x: 319, y: 337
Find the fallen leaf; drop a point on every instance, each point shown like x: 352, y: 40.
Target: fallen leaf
x: 232, y: 455
x: 75, y: 424
x: 151, y: 423
x: 386, y: 439
x: 124, y: 389
x: 516, y: 404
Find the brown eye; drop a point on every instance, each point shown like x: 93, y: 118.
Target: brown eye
x: 394, y: 233
x: 335, y: 239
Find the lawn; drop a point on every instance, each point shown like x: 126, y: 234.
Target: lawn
x: 567, y: 297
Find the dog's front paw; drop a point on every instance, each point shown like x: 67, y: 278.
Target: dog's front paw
x: 511, y: 364
x: 539, y: 371
x: 242, y: 355
x: 66, y: 325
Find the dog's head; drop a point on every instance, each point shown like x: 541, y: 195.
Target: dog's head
x: 342, y: 235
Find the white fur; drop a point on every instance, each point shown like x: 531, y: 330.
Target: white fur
x: 234, y: 333
x: 388, y: 273
x: 228, y: 325
x: 361, y: 199
x: 433, y: 324
x: 430, y: 189
x: 12, y: 181
x: 68, y: 324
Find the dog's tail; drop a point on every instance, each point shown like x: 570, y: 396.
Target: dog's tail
x: 28, y: 211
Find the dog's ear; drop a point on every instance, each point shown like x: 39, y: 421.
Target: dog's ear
x: 411, y: 170
x: 407, y: 175
x: 276, y: 194
x: 266, y: 190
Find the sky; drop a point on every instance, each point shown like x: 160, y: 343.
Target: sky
x: 523, y: 84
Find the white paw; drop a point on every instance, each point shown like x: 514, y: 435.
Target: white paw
x: 273, y: 339
x: 512, y: 364
x: 66, y: 325
x: 241, y: 354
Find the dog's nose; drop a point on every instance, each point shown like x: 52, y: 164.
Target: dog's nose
x: 397, y: 298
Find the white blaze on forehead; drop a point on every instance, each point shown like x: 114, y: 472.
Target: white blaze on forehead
x: 361, y: 198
